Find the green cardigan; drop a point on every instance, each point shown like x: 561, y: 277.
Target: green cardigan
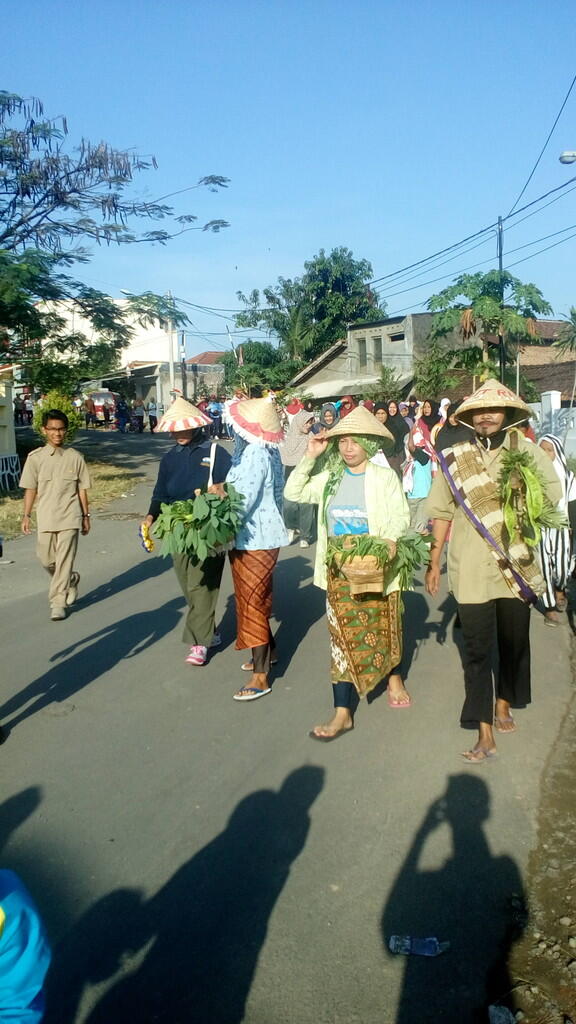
x: 388, y: 513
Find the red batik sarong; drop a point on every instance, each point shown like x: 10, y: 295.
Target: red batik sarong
x: 252, y: 575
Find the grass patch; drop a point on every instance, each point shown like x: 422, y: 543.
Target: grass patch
x: 108, y: 483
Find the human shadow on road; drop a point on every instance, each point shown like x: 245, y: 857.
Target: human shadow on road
x: 145, y: 571
x: 203, y: 930
x: 474, y: 900
x: 16, y: 809
x: 80, y: 664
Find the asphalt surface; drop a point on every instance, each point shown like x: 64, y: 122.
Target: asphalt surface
x: 200, y: 860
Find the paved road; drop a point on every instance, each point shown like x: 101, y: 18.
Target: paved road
x: 198, y: 860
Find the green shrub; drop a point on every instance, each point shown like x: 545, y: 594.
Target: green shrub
x: 57, y: 400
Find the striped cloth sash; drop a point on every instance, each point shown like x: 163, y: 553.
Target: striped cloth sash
x: 477, y: 495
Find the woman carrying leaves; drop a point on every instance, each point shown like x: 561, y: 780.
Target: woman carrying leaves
x: 192, y: 465
x: 258, y: 475
x: 362, y: 510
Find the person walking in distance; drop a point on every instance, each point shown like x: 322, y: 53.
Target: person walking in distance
x: 494, y: 577
x: 58, y: 479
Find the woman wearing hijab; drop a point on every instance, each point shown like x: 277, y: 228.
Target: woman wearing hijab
x: 398, y: 427
x: 298, y: 516
x: 556, y: 553
x: 328, y: 416
x: 451, y: 431
x: 429, y: 420
x: 355, y: 496
x: 346, y: 405
x: 258, y: 476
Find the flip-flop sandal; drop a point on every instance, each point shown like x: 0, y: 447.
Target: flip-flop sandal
x: 251, y: 693
x: 248, y: 666
x: 473, y: 756
x: 499, y: 722
x: 397, y: 705
x: 328, y: 739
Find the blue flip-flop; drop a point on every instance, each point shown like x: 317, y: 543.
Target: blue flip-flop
x: 251, y: 693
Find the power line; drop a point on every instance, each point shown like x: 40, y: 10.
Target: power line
x: 553, y: 246
x: 548, y: 137
x: 481, y: 263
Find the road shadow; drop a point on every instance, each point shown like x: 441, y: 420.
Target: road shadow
x: 16, y: 809
x: 144, y: 572
x: 201, y: 935
x: 80, y: 664
x: 474, y: 900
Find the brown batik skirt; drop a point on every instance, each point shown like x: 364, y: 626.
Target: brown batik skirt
x: 365, y: 635
x: 252, y: 575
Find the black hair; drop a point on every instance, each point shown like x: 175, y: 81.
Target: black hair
x: 54, y: 414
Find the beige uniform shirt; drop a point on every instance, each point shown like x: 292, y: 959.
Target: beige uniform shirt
x: 57, y: 474
x: 473, y: 573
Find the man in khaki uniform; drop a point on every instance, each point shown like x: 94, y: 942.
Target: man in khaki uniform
x: 58, y: 477
x: 493, y: 577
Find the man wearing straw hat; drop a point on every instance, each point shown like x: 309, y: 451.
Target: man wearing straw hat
x: 194, y: 463
x: 494, y: 577
x: 355, y: 496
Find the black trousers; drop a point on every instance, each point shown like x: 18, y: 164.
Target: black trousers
x: 505, y: 620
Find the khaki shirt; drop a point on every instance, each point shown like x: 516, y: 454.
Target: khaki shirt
x: 473, y: 573
x: 56, y: 474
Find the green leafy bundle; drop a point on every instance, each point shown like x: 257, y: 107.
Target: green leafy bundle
x: 526, y: 508
x: 412, y: 552
x: 200, y: 526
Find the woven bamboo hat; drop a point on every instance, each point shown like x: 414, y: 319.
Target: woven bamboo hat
x: 362, y: 423
x: 182, y: 415
x: 256, y: 419
x: 494, y: 395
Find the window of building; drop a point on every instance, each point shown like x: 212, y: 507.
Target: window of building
x: 396, y: 337
x: 377, y: 342
x: 362, y: 361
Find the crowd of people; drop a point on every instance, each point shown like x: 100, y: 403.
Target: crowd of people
x: 330, y: 476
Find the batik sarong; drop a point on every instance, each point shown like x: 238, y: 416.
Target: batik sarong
x: 365, y: 634
x: 252, y: 575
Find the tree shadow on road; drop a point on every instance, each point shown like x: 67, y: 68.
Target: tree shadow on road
x: 201, y: 935
x: 474, y: 900
x: 83, y: 662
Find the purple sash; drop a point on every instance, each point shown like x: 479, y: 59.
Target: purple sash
x: 526, y: 591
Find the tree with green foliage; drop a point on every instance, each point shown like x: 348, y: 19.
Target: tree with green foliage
x: 432, y: 377
x: 51, y: 200
x: 477, y: 305
x: 307, y: 314
x: 57, y: 399
x: 389, y: 388
x: 256, y: 366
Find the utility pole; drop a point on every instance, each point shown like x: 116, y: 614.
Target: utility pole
x: 171, y: 351
x: 501, y: 342
x: 183, y: 367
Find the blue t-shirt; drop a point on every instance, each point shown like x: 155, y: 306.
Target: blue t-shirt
x: 347, y: 509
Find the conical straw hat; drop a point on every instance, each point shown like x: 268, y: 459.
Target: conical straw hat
x: 494, y: 395
x: 362, y: 423
x: 182, y: 415
x: 256, y: 419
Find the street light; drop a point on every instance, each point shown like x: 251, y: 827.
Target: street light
x: 567, y: 157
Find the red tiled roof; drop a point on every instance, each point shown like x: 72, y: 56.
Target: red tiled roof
x: 206, y: 358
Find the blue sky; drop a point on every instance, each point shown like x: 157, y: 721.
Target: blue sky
x: 393, y: 128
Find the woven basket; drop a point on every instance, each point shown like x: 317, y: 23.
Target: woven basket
x: 363, y: 574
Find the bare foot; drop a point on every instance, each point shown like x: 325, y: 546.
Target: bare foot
x: 503, y: 720
x: 341, y: 722
x: 398, y: 696
x: 258, y: 681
